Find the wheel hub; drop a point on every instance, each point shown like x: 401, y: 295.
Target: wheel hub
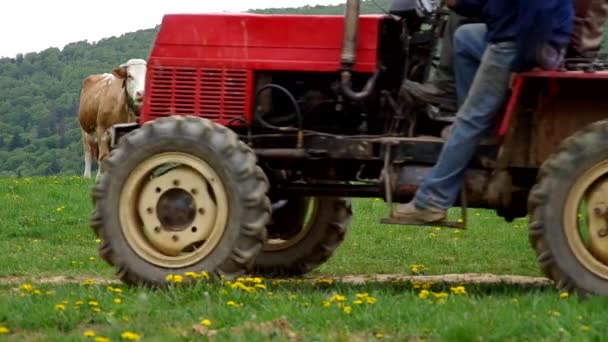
x: 176, y: 209
x: 587, y: 230
x: 597, y: 210
x: 183, y: 217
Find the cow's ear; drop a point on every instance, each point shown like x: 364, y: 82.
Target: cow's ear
x: 119, y: 72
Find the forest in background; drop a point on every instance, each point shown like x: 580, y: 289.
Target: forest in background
x: 39, y: 133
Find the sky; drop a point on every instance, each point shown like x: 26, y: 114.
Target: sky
x: 35, y: 25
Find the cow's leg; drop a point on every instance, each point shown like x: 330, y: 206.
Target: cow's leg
x: 104, y: 149
x: 88, y: 156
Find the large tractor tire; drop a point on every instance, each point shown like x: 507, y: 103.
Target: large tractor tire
x: 569, y: 213
x: 180, y: 194
x: 303, y: 234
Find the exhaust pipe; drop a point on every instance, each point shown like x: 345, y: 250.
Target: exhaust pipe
x: 348, y: 57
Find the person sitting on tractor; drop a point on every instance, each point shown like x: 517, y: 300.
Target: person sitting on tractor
x: 440, y: 90
x: 516, y: 36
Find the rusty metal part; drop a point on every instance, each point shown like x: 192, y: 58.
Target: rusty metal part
x: 146, y: 204
x: 351, y: 27
x: 592, y: 187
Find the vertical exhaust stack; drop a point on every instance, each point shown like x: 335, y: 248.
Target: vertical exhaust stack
x: 349, y: 53
x: 351, y: 26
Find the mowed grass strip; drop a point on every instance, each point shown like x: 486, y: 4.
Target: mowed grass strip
x: 45, y: 232
x: 261, y: 310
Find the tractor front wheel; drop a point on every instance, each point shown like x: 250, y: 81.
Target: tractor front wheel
x: 569, y: 213
x: 180, y: 195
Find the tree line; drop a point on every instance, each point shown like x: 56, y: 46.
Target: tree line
x: 39, y: 132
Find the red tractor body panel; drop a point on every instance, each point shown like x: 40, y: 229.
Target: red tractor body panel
x: 203, y: 64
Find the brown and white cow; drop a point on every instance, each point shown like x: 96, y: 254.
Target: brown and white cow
x: 106, y: 100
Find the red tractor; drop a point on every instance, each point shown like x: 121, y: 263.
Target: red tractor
x: 257, y: 129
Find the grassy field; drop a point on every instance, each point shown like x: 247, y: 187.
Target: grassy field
x: 44, y: 232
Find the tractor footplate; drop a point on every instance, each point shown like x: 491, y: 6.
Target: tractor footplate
x: 445, y: 224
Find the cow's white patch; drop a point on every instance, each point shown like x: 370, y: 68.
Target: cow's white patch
x: 136, y: 82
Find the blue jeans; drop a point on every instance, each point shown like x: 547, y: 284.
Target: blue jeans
x: 482, y: 72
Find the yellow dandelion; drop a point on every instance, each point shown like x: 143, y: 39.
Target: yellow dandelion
x: 60, y: 307
x: 36, y: 292
x: 260, y: 286
x: 439, y: 295
x: 423, y: 294
x: 88, y: 282
x: 129, y: 336
x: 93, y: 303
x: 358, y: 302
x: 26, y: 287
x: 564, y: 295
x: 191, y: 275
x: 91, y: 258
x: 379, y: 335
x: 60, y: 208
x: 337, y: 298
x: 97, y: 240
x: 206, y: 322
x: 326, y: 304
x: 125, y: 318
x: 585, y: 328
x: 458, y: 290
x: 174, y: 278
x: 4, y: 330
x: 78, y: 302
x: 95, y: 309
x: 232, y: 303
x: 204, y: 275
x: 117, y: 300
x: 432, y: 235
x: 347, y: 310
x: 89, y: 333
x: 554, y: 313
x: 101, y: 339
x: 117, y: 290
x: 370, y: 300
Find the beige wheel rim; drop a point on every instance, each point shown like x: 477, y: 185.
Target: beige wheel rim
x: 176, y: 218
x: 591, y: 252
x: 274, y: 245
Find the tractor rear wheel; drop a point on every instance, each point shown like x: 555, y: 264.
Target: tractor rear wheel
x: 303, y: 234
x: 180, y: 194
x: 569, y: 213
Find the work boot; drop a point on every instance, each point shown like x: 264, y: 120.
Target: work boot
x: 410, y: 213
x: 432, y: 93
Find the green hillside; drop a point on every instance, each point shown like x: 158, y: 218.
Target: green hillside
x: 39, y: 132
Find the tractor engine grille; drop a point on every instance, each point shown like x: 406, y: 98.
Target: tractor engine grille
x: 217, y: 94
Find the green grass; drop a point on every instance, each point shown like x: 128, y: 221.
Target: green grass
x: 45, y: 232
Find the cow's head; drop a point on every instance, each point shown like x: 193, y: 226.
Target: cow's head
x: 133, y: 74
